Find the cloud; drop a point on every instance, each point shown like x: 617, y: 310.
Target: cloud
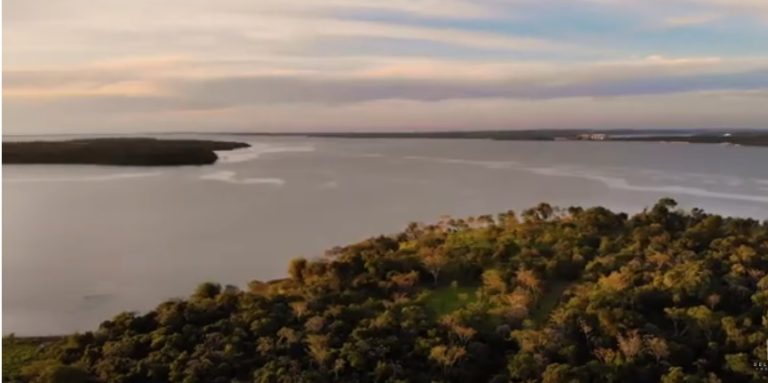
x: 185, y: 64
x: 26, y: 10
x: 690, y: 20
x: 643, y: 92
x: 224, y: 92
x: 682, y: 13
x: 312, y: 29
x: 714, y: 10
x: 739, y: 5
x: 119, y: 88
x: 205, y: 85
x: 78, y: 31
x: 431, y: 8
x: 679, y: 110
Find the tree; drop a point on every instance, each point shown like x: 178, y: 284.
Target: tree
x: 297, y: 268
x: 517, y: 303
x: 288, y: 336
x: 447, y: 356
x: 558, y: 373
x: 434, y: 261
x: 405, y: 281
x: 529, y: 280
x: 493, y: 282
x: 630, y: 344
x: 462, y: 332
x: 207, y: 290
x: 657, y: 347
x: 318, y: 347
x: 542, y: 212
x: 299, y: 308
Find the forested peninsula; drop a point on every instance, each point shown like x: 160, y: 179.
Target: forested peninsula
x: 547, y: 295
x: 117, y: 151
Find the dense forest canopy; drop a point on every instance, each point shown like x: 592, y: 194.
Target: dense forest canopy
x: 550, y: 295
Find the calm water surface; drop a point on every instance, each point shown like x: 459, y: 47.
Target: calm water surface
x: 82, y: 243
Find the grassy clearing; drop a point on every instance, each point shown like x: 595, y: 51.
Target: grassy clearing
x: 20, y: 352
x: 445, y: 300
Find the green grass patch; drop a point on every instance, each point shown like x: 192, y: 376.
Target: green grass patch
x: 21, y: 352
x: 445, y: 300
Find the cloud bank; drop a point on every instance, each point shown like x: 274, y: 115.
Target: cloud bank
x: 77, y: 66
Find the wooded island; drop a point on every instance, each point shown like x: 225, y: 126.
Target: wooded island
x: 117, y: 151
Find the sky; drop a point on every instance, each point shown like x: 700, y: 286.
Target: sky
x: 127, y: 66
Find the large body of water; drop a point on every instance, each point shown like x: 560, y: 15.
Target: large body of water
x: 82, y: 243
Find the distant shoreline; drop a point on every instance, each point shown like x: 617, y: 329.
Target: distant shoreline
x: 741, y: 137
x: 117, y: 151
x: 736, y: 138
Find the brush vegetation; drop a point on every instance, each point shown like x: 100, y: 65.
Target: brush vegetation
x: 550, y: 295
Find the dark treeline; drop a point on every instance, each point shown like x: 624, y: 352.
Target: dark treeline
x: 745, y: 139
x: 117, y: 151
x: 550, y: 295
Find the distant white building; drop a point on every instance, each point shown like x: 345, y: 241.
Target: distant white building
x: 593, y: 136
